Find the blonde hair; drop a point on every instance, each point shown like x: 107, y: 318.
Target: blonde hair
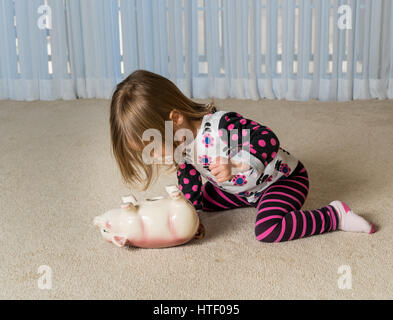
x: 144, y: 101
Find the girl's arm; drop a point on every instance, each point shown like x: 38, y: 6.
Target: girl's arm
x: 225, y: 169
x: 190, y: 183
x: 262, y: 142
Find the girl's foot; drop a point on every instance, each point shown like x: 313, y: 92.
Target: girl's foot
x: 350, y: 221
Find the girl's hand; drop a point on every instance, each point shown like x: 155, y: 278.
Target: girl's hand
x: 223, y: 169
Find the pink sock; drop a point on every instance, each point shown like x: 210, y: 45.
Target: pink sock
x: 350, y: 221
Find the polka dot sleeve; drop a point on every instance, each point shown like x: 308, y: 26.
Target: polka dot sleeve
x: 243, y: 133
x: 190, y: 183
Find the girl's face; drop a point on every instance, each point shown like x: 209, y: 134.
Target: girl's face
x: 179, y: 122
x: 157, y: 154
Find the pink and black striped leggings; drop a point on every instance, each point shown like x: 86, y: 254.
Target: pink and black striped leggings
x: 279, y: 216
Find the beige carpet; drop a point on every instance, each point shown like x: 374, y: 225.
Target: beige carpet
x: 57, y: 173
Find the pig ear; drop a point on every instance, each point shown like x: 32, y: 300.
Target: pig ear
x: 119, y: 241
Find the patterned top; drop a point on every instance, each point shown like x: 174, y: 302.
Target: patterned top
x: 229, y: 135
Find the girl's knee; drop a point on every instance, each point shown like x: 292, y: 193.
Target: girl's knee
x: 265, y: 240
x: 209, y: 188
x: 266, y: 232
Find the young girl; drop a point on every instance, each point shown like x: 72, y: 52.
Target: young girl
x: 242, y: 160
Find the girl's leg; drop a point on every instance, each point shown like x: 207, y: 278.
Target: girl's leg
x: 279, y: 216
x: 215, y: 199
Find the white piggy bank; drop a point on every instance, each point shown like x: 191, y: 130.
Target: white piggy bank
x: 154, y: 223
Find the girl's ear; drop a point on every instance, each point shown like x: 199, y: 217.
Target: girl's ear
x: 176, y: 117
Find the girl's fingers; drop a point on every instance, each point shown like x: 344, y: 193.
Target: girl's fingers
x: 216, y: 171
x: 213, y: 166
x: 219, y: 161
x: 223, y: 177
x: 219, y: 171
